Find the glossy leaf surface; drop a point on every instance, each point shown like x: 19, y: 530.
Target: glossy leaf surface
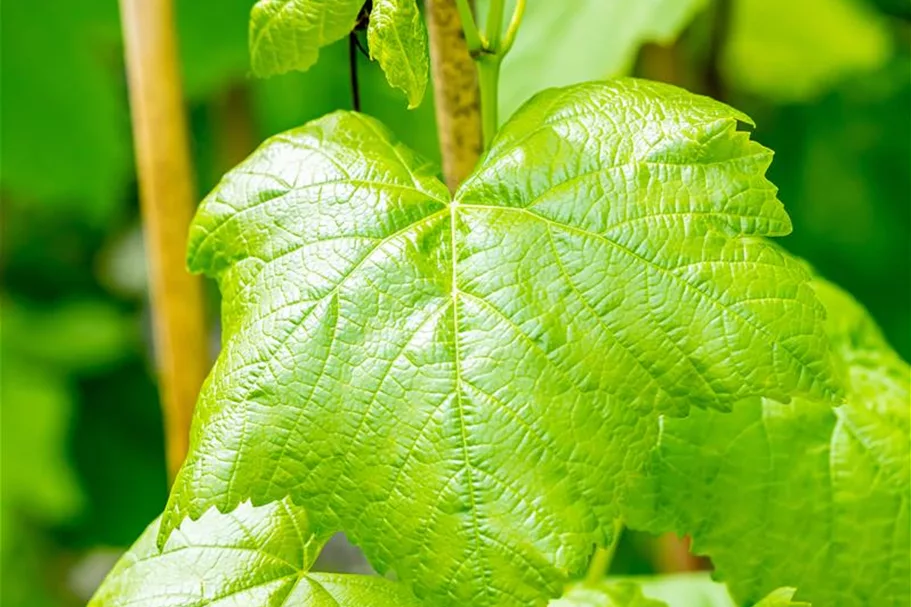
x: 466, y: 385
x: 802, y: 494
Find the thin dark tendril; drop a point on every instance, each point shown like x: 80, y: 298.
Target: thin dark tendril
x: 360, y: 45
x: 353, y: 46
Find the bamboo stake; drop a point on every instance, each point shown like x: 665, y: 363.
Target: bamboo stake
x: 167, y: 196
x: 455, y: 88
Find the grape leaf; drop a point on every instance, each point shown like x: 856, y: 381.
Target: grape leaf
x: 802, y: 494
x: 286, y: 35
x: 398, y: 40
x: 598, y: 39
x: 686, y: 590
x: 252, y: 556
x: 793, y: 51
x: 464, y: 386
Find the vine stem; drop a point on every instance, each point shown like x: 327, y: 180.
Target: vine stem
x: 455, y: 87
x: 513, y: 27
x: 603, y: 557
x: 488, y: 81
x: 466, y: 98
x: 469, y: 27
x: 167, y: 195
x: 495, y: 25
x: 495, y: 46
x: 352, y: 72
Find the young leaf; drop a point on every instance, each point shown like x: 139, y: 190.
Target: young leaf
x: 253, y: 556
x: 465, y: 386
x: 286, y: 35
x: 799, y: 494
x: 398, y: 40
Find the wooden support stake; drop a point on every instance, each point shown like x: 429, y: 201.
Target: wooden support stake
x: 455, y: 92
x: 167, y: 199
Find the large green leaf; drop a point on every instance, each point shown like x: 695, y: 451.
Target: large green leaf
x: 799, y: 494
x: 597, y: 39
x: 795, y: 50
x: 251, y: 557
x: 465, y: 385
x: 398, y: 40
x: 286, y: 35
x: 683, y: 590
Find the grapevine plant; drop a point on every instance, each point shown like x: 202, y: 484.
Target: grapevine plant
x: 483, y: 387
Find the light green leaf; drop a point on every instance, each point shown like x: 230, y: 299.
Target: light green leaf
x: 286, y: 35
x: 597, y: 39
x: 802, y: 494
x: 791, y: 51
x: 398, y: 40
x: 465, y: 386
x: 682, y: 590
x: 252, y: 556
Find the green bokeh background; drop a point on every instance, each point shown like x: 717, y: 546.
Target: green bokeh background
x: 827, y: 81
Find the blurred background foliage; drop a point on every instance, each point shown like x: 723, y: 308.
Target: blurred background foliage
x: 827, y: 81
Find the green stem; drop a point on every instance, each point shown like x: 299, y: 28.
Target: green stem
x: 472, y: 35
x: 495, y: 25
x: 488, y: 81
x: 488, y: 49
x: 513, y: 28
x: 601, y: 560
